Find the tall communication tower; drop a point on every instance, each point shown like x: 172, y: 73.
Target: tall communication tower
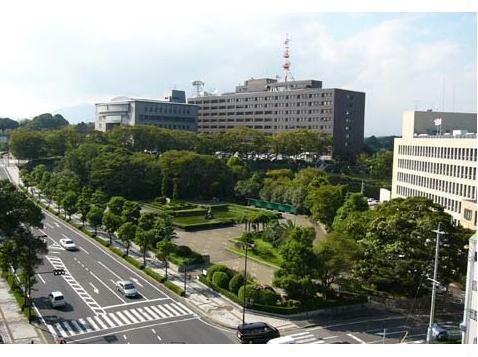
x: 286, y: 65
x: 199, y: 85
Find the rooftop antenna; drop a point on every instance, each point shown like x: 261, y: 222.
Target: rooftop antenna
x: 199, y: 85
x: 286, y: 65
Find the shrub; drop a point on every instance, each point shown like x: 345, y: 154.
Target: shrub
x: 236, y: 282
x: 218, y: 267
x: 267, y: 297
x: 156, y: 276
x: 252, y: 293
x: 134, y: 262
x: 174, y: 288
x: 183, y: 251
x: 221, y: 279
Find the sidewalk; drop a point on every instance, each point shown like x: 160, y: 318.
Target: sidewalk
x: 206, y: 301
x: 14, y: 326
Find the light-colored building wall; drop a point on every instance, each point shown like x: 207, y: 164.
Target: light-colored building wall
x: 440, y: 167
x: 470, y: 325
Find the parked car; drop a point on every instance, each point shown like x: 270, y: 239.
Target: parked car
x: 68, y: 244
x: 127, y: 288
x: 256, y: 332
x: 56, y: 299
x: 445, y: 332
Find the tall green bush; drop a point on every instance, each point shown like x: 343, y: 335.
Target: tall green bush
x: 221, y: 279
x: 236, y: 282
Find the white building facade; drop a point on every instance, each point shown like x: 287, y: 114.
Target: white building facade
x: 439, y: 162
x: 470, y: 325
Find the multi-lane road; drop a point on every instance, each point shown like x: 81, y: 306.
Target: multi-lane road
x: 95, y: 311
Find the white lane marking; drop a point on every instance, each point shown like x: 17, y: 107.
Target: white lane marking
x: 108, y: 321
x: 137, y: 282
x: 130, y: 316
x: 137, y: 315
x: 83, y: 249
x: 153, y: 330
x: 356, y: 338
x: 159, y: 312
x: 115, y: 319
x: 49, y: 225
x: 134, y: 328
x: 300, y: 334
x: 124, y: 336
x: 92, y: 323
x: 167, y: 312
x: 100, y: 322
x: 184, y: 307
x: 77, y: 326
x: 106, y: 286
x: 306, y: 340
x: 111, y: 271
x: 65, y: 236
x: 123, y: 317
x: 56, y: 224
x: 317, y: 342
x: 172, y: 310
x: 95, y: 289
x: 345, y: 323
x: 61, y: 330
x: 134, y: 303
x: 54, y: 251
x: 151, y: 312
x: 85, y: 325
x: 159, y: 338
x: 146, y: 315
x: 329, y: 337
x: 41, y: 278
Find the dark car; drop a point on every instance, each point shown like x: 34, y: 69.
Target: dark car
x: 256, y: 332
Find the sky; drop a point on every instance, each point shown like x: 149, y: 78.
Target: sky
x: 68, y: 56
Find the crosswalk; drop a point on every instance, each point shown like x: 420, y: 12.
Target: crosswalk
x: 306, y: 338
x: 105, y: 321
x: 57, y: 263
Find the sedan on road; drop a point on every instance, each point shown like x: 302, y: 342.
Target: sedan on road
x: 127, y: 288
x: 68, y: 244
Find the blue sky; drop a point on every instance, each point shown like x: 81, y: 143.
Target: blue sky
x: 76, y: 56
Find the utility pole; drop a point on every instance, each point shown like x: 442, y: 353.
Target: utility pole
x: 245, y: 288
x: 384, y: 333
x: 434, y: 281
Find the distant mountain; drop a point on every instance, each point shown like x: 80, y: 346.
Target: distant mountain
x: 79, y: 113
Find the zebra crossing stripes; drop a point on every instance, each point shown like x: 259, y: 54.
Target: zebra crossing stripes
x: 57, y: 263
x: 305, y: 338
x: 105, y: 321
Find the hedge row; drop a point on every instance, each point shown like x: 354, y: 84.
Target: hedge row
x: 204, y: 225
x: 190, y: 212
x: 17, y: 293
x: 173, y: 287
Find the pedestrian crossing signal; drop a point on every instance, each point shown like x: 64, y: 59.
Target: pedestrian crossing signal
x: 58, y: 272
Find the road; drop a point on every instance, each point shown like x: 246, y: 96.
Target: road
x: 96, y: 312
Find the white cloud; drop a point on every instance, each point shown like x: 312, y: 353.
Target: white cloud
x: 63, y: 56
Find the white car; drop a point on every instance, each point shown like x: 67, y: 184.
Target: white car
x: 127, y: 288
x: 56, y: 299
x: 68, y: 244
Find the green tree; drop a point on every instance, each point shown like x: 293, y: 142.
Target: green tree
x: 95, y: 217
x: 127, y: 234
x: 323, y: 203
x: 354, y: 202
x: 397, y: 249
x: 27, y: 145
x: 115, y: 205
x: 83, y: 206
x: 47, y: 122
x: 299, y: 265
x: 69, y: 203
x: 111, y: 222
x: 145, y: 239
x: 164, y: 249
x: 249, y: 187
x: 131, y: 212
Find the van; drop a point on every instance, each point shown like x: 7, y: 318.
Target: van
x: 56, y: 299
x: 256, y: 332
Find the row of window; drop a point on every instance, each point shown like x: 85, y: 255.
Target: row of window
x: 321, y: 127
x: 239, y: 106
x: 467, y: 191
x: 265, y: 98
x: 458, y: 171
x: 210, y: 120
x: 167, y: 108
x: 467, y: 154
x: 174, y: 126
x: 155, y: 118
x: 268, y: 112
x: 447, y: 203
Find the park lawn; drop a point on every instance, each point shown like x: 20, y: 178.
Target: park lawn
x: 262, y: 252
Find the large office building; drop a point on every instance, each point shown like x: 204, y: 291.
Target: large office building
x: 436, y: 157
x: 272, y: 107
x: 470, y: 324
x: 171, y: 113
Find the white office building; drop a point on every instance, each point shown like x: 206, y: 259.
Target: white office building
x: 470, y: 325
x: 436, y: 157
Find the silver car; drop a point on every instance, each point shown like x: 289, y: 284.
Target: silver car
x: 127, y: 288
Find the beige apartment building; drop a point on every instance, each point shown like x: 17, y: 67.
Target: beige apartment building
x: 436, y: 157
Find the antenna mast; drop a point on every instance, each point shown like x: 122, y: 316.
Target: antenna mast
x: 286, y: 65
x: 199, y: 85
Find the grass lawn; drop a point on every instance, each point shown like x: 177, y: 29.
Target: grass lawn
x: 263, y: 252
